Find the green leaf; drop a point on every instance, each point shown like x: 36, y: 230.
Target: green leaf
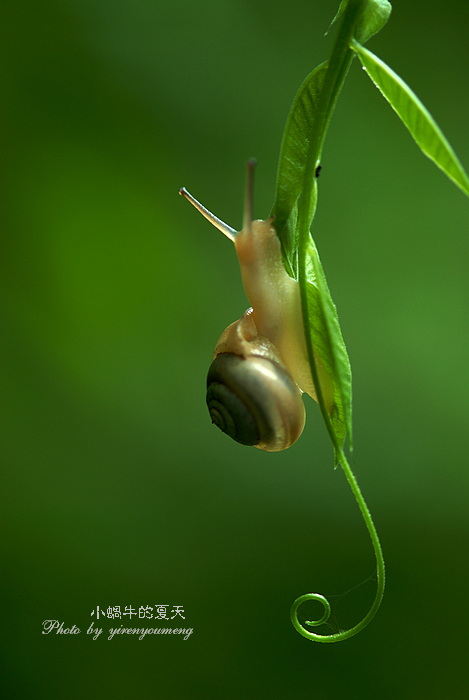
x: 415, y: 116
x: 375, y: 15
x: 329, y: 344
x: 293, y: 157
x: 371, y: 20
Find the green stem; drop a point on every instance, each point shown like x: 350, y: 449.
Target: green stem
x: 338, y: 67
x: 337, y: 70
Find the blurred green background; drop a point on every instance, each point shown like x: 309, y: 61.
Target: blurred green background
x: 116, y: 488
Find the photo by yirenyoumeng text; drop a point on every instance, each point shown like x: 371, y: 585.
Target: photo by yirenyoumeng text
x: 59, y: 628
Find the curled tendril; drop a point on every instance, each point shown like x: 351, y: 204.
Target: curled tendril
x: 344, y: 634
x: 313, y: 623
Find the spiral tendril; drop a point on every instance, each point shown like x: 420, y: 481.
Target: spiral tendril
x: 345, y: 634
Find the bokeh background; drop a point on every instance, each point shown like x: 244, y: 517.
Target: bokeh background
x: 116, y: 488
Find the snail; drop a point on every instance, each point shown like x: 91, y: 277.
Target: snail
x: 260, y: 364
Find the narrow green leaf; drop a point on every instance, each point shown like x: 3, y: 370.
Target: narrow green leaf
x: 415, y: 116
x: 329, y: 344
x: 293, y: 155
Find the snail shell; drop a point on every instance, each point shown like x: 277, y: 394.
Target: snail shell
x: 251, y: 395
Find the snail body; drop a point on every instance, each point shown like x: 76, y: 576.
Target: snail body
x: 276, y: 304
x: 260, y: 365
